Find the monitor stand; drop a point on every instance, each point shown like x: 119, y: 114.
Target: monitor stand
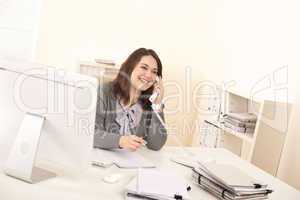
x: 21, y: 160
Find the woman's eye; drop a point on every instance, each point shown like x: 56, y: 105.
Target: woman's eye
x: 144, y: 67
x: 154, y: 72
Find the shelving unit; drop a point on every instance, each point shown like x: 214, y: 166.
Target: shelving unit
x: 244, y: 136
x: 263, y: 147
x: 108, y: 72
x: 239, y: 143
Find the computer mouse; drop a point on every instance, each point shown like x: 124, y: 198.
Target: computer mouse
x: 112, y: 178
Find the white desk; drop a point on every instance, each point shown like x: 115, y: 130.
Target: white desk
x: 89, y: 185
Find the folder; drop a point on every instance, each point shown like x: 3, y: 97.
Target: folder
x: 229, y: 182
x: 230, y: 176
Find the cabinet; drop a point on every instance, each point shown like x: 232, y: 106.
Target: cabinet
x: 239, y: 143
x: 263, y: 147
x: 101, y: 71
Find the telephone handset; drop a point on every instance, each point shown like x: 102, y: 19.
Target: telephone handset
x: 155, y: 94
x: 154, y: 106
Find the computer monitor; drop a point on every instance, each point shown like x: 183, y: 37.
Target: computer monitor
x: 47, y: 119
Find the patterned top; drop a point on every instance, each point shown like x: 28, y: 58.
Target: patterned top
x: 128, y: 118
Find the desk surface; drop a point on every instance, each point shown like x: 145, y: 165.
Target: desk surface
x: 89, y: 185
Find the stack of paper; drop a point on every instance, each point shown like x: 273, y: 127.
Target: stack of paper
x: 151, y: 184
x: 241, y: 122
x: 228, y: 182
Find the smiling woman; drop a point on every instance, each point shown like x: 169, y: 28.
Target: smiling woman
x: 125, y: 117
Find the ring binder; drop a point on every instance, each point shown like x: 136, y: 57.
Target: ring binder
x: 223, y: 193
x: 199, y: 178
x: 228, y: 182
x: 189, y: 188
x: 257, y: 186
x: 177, y: 197
x: 269, y: 191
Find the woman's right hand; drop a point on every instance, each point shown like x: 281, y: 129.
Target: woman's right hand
x: 131, y: 142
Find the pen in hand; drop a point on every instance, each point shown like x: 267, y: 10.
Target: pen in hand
x: 131, y: 142
x: 144, y: 142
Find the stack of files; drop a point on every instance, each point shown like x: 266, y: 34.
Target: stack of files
x: 241, y: 122
x: 228, y: 182
x: 154, y: 185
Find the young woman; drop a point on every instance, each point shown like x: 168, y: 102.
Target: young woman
x: 125, y: 116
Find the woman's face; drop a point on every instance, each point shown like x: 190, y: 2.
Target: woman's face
x: 144, y: 74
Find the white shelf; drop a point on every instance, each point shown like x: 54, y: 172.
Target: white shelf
x: 260, y: 96
x: 244, y: 136
x: 262, y: 148
x: 249, y: 137
x: 99, y: 70
x: 101, y: 65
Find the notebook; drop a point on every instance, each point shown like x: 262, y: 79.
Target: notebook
x: 145, y: 186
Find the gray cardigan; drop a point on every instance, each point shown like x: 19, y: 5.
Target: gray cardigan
x: 107, y: 129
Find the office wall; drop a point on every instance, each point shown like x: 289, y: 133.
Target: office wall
x: 18, y: 28
x: 219, y: 40
x: 264, y: 38
x: 177, y: 30
x: 262, y: 43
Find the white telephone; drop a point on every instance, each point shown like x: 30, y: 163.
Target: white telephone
x: 155, y: 94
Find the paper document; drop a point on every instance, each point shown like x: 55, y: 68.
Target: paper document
x: 171, y: 184
x: 156, y: 185
x: 121, y: 158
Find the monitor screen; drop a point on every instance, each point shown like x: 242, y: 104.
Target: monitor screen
x: 67, y: 101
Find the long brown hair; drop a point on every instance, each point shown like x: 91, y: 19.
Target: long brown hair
x: 121, y: 85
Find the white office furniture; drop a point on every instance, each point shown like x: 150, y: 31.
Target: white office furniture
x: 270, y: 137
x: 46, y: 115
x: 208, y: 109
x: 89, y: 185
x: 99, y: 70
x: 263, y: 147
x: 238, y: 143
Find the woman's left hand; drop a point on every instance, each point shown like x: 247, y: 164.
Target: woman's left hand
x: 159, y: 88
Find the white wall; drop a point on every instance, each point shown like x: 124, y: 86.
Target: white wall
x: 177, y: 30
x: 260, y: 37
x: 18, y: 28
x: 220, y: 40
